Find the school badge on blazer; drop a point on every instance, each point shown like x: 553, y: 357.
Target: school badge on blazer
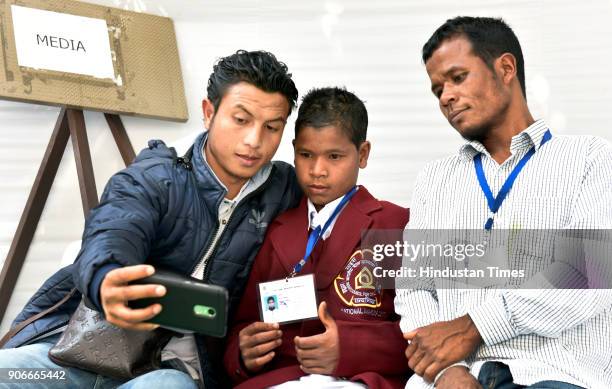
x: 356, y: 286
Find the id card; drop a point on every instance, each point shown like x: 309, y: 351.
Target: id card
x: 287, y: 300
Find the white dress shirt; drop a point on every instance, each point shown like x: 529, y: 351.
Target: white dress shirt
x: 544, y: 334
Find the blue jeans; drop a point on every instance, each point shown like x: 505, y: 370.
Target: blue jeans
x: 34, y: 356
x: 496, y: 375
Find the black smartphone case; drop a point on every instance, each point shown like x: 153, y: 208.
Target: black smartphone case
x: 189, y: 304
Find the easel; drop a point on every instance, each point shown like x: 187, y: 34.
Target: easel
x: 70, y: 123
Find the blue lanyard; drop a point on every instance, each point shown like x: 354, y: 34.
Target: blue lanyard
x: 318, y: 232
x: 495, y: 203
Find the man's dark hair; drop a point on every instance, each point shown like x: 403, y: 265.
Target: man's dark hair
x: 490, y: 38
x: 258, y: 68
x: 271, y: 298
x: 334, y: 106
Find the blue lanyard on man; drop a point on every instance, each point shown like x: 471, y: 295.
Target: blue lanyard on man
x: 495, y: 203
x: 318, y: 232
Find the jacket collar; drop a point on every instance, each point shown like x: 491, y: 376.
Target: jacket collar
x: 290, y: 241
x: 211, y: 191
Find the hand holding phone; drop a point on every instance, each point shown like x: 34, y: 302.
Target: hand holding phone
x: 115, y: 293
x: 189, y: 305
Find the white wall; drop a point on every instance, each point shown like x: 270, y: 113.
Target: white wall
x: 371, y: 47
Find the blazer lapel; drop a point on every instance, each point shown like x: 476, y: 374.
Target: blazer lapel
x: 289, y: 241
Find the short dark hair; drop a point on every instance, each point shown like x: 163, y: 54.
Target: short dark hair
x: 333, y: 106
x: 259, y: 68
x: 489, y: 37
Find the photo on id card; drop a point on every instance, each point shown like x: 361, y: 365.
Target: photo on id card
x: 287, y: 300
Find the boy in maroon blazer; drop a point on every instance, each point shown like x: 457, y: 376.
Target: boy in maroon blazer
x: 357, y: 341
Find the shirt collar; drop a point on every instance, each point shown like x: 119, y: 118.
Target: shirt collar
x: 319, y: 218
x: 531, y: 136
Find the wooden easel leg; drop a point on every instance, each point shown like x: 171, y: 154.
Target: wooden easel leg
x: 121, y: 138
x: 33, y: 209
x: 70, y: 123
x: 82, y: 157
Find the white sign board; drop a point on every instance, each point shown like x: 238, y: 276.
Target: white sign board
x: 61, y: 42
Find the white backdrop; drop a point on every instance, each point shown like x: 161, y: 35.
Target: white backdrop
x: 371, y: 47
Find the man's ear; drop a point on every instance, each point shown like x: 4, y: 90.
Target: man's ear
x: 506, y: 67
x: 209, y: 112
x: 364, y: 154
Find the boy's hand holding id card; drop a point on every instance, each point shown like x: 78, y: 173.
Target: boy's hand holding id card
x: 288, y: 300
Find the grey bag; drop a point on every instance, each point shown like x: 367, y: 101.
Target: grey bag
x: 91, y: 343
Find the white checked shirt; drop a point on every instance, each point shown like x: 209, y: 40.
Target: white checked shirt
x: 545, y: 334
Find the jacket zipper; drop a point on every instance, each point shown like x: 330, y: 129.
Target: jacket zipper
x: 205, y: 249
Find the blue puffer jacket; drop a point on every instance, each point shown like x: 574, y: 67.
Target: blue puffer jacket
x: 163, y: 211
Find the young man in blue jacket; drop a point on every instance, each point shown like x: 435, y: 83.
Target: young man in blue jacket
x: 204, y: 215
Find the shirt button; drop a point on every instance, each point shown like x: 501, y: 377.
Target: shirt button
x: 223, y: 221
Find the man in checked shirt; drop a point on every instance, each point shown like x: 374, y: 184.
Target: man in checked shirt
x: 513, y: 171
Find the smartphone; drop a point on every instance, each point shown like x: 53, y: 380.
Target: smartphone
x: 189, y: 305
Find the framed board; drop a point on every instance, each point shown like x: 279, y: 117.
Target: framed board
x: 85, y: 56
